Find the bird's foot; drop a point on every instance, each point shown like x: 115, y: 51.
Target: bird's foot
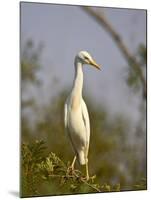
x: 88, y: 178
x: 71, y: 170
x: 85, y: 178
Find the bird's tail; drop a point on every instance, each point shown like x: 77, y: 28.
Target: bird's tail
x: 81, y: 158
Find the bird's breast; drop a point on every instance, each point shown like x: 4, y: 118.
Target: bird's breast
x: 75, y: 118
x: 75, y: 102
x: 76, y: 125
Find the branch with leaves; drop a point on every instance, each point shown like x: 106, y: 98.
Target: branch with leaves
x: 45, y: 173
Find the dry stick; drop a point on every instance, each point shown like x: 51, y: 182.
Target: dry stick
x: 119, y: 42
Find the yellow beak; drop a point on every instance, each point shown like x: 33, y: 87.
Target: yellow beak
x: 93, y: 63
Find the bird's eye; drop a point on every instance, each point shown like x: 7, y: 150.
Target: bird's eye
x: 86, y: 58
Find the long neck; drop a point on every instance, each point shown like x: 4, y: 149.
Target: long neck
x: 77, y: 84
x: 78, y: 79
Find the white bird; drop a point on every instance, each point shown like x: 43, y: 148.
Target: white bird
x: 76, y: 117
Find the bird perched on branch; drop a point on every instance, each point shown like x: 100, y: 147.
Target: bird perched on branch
x: 76, y: 117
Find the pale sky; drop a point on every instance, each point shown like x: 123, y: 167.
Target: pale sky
x: 65, y: 30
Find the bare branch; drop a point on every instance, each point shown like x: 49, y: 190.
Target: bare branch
x: 119, y: 42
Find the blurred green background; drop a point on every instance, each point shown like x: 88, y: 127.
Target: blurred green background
x: 117, y: 153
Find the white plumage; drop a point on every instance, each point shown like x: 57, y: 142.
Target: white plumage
x: 76, y: 117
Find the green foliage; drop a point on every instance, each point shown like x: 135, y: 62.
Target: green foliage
x: 31, y: 156
x: 45, y: 173
x: 141, y: 185
x: 39, y: 170
x: 30, y: 58
x: 133, y: 79
x: 30, y: 64
x: 142, y: 52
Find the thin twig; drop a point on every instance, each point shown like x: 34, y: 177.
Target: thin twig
x: 92, y: 186
x: 60, y: 176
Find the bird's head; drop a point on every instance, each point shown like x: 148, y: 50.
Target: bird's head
x: 85, y: 58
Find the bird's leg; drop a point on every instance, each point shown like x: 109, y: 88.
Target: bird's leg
x: 87, y: 171
x: 73, y: 162
x: 71, y: 167
x: 86, y: 165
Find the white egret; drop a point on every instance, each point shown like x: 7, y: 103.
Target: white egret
x: 76, y: 117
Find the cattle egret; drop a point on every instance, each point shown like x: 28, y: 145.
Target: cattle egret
x: 76, y: 117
